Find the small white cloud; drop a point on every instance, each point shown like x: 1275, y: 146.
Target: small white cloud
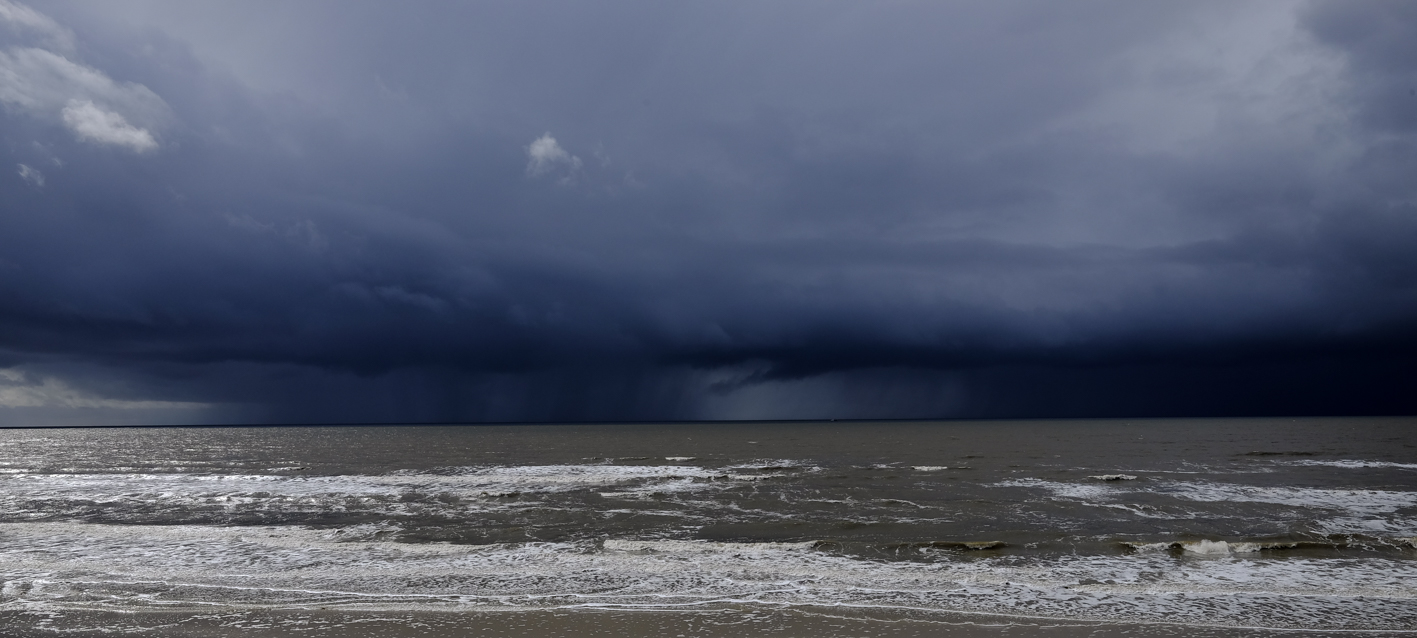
x: 31, y: 175
x: 93, y: 124
x: 545, y: 153
x: 547, y: 156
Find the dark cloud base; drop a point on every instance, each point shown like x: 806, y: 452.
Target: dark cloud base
x: 1329, y: 385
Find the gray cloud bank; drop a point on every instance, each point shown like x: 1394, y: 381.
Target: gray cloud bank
x: 324, y: 212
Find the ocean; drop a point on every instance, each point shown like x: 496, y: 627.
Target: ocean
x: 1222, y: 527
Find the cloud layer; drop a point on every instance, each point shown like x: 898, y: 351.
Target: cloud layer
x: 795, y: 210
x: 44, y: 83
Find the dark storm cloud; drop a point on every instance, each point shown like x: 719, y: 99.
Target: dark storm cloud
x: 361, y: 212
x: 1377, y: 38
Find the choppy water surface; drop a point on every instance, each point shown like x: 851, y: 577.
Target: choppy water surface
x: 1301, y: 524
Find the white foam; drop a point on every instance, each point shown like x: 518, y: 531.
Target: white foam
x: 51, y: 566
x: 460, y: 491
x: 780, y: 465
x: 557, y: 477
x: 703, y: 547
x: 1075, y: 491
x: 929, y: 468
x: 1356, y: 464
x: 1211, y: 548
x: 1207, y: 548
x: 1150, y: 547
x: 1370, y: 502
x: 1149, y: 511
x: 1359, y: 501
x: 1373, y: 526
x: 1331, y: 511
x: 503, y: 479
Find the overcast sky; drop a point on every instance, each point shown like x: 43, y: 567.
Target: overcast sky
x: 451, y: 211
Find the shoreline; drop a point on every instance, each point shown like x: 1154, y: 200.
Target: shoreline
x: 804, y: 622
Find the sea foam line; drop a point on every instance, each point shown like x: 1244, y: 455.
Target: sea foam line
x: 1370, y: 593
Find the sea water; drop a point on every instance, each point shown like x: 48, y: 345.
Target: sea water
x: 1284, y: 524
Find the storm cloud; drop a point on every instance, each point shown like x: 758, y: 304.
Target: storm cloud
x: 366, y: 212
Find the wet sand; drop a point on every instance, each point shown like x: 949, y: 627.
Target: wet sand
x: 727, y: 623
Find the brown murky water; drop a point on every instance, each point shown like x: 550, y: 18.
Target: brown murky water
x: 714, y: 529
